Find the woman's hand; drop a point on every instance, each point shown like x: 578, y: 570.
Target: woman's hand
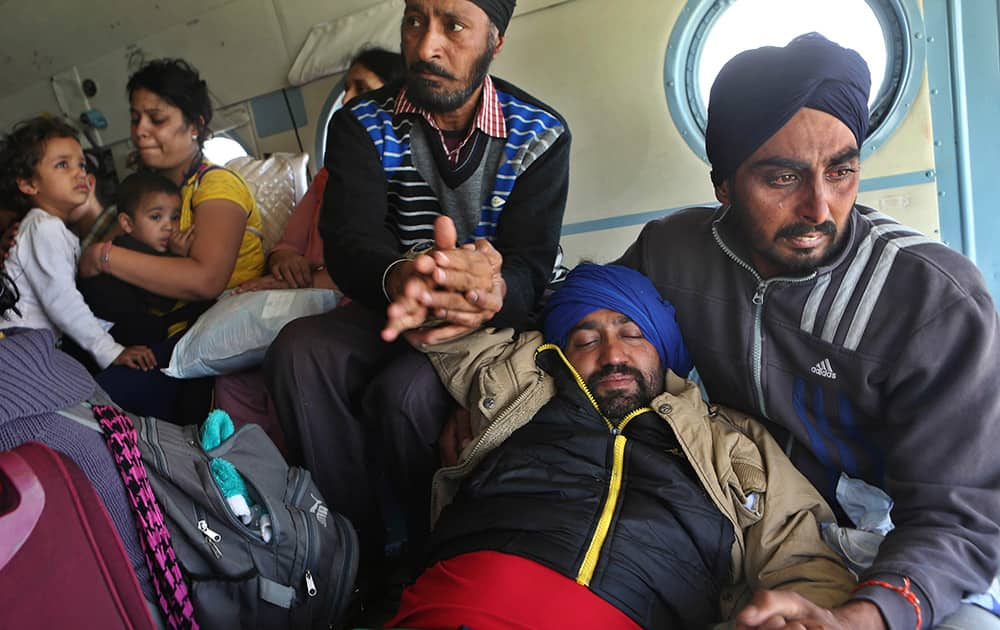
x: 292, y: 268
x: 180, y: 242
x: 137, y: 358
x: 90, y: 261
x: 262, y: 283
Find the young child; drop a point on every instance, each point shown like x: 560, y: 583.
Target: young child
x: 149, y: 211
x: 43, y: 171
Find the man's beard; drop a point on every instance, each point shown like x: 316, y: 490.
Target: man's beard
x: 795, y: 262
x: 422, y: 93
x: 618, y: 403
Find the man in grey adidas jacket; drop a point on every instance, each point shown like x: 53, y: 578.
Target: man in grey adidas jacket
x: 871, y: 350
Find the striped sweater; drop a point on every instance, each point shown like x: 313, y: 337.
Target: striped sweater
x: 881, y: 364
x: 390, y: 179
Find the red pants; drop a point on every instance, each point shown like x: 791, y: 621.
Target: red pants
x: 487, y: 590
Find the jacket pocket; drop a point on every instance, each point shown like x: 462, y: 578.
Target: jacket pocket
x: 747, y: 486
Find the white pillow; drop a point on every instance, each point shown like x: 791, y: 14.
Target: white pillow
x: 235, y: 333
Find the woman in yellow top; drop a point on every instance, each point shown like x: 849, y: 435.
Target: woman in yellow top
x: 171, y: 111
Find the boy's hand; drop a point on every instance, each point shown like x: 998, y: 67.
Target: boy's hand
x: 137, y: 358
x: 180, y: 242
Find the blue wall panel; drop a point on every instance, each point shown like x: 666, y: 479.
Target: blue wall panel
x: 963, y: 63
x: 982, y: 59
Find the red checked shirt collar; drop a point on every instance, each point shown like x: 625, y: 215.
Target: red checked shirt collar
x: 489, y: 119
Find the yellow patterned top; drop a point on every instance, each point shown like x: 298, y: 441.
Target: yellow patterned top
x: 221, y: 183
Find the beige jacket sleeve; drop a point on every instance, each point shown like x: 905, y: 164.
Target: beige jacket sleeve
x: 486, y: 370
x: 784, y: 548
x: 493, y: 374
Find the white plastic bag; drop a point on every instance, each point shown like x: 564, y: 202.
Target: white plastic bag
x: 235, y: 333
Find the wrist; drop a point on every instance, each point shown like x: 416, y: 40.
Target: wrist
x: 860, y: 614
x: 900, y: 601
x: 391, y: 282
x: 104, y: 257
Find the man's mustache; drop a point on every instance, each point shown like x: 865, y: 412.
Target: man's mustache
x: 610, y: 369
x: 802, y: 229
x: 430, y: 68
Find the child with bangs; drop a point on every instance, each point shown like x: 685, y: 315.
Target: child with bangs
x: 43, y: 173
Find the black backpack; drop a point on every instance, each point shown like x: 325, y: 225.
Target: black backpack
x: 302, y: 578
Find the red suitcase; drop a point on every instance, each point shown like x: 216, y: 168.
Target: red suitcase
x: 61, y: 562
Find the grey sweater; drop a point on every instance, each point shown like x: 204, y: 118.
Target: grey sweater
x: 882, y: 364
x: 36, y: 380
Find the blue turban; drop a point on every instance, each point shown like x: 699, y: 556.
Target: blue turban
x: 590, y: 287
x: 759, y: 90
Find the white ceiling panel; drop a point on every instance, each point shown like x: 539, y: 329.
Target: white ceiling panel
x: 39, y: 38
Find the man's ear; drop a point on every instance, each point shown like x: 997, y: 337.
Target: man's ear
x: 27, y: 187
x: 500, y: 40
x: 723, y: 194
x: 125, y: 222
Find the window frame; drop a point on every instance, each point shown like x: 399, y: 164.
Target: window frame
x: 326, y: 115
x: 903, y: 28
x: 230, y: 135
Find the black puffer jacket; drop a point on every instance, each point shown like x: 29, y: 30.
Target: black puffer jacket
x: 615, y: 507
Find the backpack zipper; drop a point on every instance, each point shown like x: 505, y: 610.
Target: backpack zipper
x: 307, y: 558
x: 212, y: 538
x: 310, y: 584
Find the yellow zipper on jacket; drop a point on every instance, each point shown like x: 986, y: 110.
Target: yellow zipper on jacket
x: 589, y: 564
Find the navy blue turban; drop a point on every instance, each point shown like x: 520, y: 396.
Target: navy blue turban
x: 590, y: 287
x: 499, y: 11
x: 759, y: 90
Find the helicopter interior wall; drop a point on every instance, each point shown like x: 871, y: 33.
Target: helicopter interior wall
x: 629, y: 162
x: 601, y: 64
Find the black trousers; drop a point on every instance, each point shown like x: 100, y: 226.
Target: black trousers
x: 350, y: 403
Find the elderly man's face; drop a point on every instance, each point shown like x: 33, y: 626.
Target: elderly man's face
x: 448, y: 46
x: 620, y: 367
x: 794, y: 195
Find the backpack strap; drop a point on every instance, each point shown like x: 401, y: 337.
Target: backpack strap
x: 199, y: 172
x: 171, y: 589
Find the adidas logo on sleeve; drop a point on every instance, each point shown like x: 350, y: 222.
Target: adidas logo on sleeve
x: 824, y: 369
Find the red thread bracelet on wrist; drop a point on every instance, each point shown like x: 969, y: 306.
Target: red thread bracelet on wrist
x: 105, y: 256
x: 904, y: 591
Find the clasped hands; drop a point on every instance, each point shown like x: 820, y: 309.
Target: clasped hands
x: 446, y: 291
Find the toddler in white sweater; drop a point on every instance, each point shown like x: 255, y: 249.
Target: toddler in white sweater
x: 42, y: 167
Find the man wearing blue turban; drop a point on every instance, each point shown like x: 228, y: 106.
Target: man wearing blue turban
x: 870, y: 349
x: 600, y: 490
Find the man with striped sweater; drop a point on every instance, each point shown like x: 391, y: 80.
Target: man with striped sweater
x: 444, y: 206
x: 870, y: 349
